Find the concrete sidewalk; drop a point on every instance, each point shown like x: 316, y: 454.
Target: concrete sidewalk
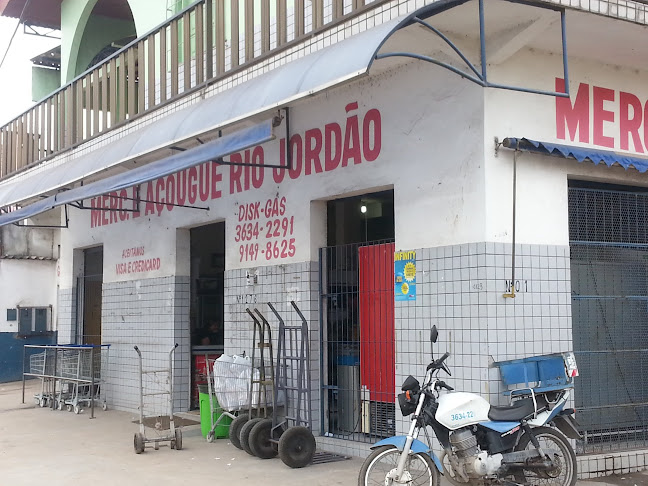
x: 42, y: 446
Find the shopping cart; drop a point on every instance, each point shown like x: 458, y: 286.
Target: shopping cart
x: 80, y: 373
x: 229, y: 383
x: 156, y: 388
x: 42, y: 366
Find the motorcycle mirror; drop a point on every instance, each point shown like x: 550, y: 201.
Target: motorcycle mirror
x: 434, y: 334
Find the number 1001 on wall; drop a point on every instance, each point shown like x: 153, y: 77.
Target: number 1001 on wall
x: 520, y: 286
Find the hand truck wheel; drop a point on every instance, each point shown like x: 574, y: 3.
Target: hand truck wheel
x: 178, y: 439
x: 235, y: 429
x: 259, y: 441
x: 245, y: 434
x: 297, y: 447
x: 138, y: 443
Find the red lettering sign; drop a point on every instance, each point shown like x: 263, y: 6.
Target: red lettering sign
x: 318, y: 150
x: 603, y: 117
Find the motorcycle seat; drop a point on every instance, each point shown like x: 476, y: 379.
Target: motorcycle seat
x: 512, y: 413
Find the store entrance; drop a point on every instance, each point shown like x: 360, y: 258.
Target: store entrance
x: 89, y: 285
x: 207, y: 299
x: 357, y: 317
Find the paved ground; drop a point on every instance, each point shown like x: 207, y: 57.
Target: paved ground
x: 41, y: 446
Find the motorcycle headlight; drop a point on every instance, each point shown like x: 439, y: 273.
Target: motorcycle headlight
x: 407, y: 402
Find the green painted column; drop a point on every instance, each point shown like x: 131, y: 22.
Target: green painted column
x: 74, y: 18
x: 79, y: 26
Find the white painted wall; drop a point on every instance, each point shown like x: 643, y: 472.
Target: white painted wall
x: 542, y: 215
x: 26, y: 283
x: 33, y: 242
x: 436, y: 177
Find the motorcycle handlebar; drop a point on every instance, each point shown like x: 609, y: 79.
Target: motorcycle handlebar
x: 442, y: 384
x: 437, y: 364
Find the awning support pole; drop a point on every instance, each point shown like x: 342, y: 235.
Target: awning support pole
x: 482, y: 40
x: 288, y: 148
x: 511, y: 294
x: 54, y: 226
x: 85, y: 208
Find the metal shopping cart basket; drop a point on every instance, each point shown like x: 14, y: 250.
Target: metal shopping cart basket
x: 81, y: 371
x: 229, y: 383
x: 42, y: 366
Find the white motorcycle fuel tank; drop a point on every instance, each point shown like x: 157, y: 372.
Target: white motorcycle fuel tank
x: 459, y: 409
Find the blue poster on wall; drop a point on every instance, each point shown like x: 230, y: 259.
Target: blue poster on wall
x: 405, y: 275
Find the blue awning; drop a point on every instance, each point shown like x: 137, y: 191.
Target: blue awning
x: 581, y: 154
x: 213, y: 150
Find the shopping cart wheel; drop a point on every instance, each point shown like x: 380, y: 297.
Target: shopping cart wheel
x: 104, y: 406
x: 178, y: 439
x: 211, y: 436
x: 260, y: 440
x: 61, y: 405
x: 138, y: 443
x: 43, y: 402
x: 297, y: 447
x: 245, y: 434
x: 70, y: 408
x: 77, y: 409
x: 235, y: 429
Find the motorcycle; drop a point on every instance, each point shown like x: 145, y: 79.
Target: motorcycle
x: 523, y: 443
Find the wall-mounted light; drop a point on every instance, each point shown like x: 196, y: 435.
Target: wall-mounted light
x: 363, y: 209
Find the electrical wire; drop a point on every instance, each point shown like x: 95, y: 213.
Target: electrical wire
x: 20, y: 19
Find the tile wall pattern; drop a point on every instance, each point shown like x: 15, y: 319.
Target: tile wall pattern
x: 278, y: 285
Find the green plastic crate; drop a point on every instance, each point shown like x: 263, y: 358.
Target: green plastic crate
x: 222, y: 429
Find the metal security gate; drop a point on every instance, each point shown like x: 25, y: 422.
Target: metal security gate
x: 357, y: 339
x: 608, y: 231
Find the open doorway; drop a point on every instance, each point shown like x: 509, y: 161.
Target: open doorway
x: 90, y: 287
x: 207, y: 314
x: 357, y: 317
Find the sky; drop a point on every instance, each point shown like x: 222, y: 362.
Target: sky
x: 15, y: 73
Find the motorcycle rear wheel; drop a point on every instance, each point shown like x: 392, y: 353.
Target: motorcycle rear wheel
x: 385, y: 458
x: 564, y: 473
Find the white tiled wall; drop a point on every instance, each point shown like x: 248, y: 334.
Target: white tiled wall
x: 66, y: 315
x: 154, y: 315
x: 461, y: 290
x: 278, y: 285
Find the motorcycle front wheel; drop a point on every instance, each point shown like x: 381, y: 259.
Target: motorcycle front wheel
x: 384, y: 459
x: 563, y: 472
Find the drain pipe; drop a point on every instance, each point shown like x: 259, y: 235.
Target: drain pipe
x: 511, y: 294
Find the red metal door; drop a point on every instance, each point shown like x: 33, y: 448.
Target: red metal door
x: 376, y: 289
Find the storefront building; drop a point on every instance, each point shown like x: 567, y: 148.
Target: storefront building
x: 523, y: 214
